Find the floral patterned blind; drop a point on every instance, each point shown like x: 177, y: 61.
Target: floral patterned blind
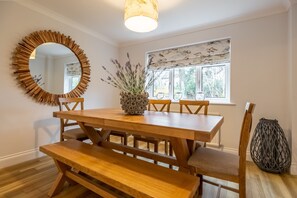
x: 73, y: 69
x: 209, y: 53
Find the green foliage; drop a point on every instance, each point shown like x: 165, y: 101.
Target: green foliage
x: 213, y: 83
x: 190, y: 83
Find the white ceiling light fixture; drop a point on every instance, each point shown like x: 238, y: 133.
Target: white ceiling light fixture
x: 141, y: 15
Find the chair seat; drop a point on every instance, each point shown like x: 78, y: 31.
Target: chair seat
x: 75, y: 133
x: 215, y: 163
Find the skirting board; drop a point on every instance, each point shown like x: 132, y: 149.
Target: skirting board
x: 20, y: 157
x: 293, y: 169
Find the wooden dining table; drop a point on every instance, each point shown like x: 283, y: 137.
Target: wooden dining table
x: 181, y: 129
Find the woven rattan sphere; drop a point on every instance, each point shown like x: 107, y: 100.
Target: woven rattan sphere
x: 134, y: 104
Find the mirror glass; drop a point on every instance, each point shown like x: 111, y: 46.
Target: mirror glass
x: 55, y: 68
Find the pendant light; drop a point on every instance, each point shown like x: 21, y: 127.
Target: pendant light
x: 141, y: 15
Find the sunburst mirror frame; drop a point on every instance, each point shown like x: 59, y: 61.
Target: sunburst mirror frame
x: 22, y: 71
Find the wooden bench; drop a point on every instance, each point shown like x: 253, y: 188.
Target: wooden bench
x: 134, y: 177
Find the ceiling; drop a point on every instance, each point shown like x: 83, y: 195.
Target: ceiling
x: 104, y: 18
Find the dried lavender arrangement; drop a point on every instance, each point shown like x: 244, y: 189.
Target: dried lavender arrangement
x: 133, y: 81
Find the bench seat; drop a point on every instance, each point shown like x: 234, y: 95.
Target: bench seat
x: 132, y: 176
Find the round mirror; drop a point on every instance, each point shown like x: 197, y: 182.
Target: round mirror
x: 50, y: 65
x: 55, y: 68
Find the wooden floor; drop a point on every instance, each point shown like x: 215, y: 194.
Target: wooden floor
x: 33, y: 179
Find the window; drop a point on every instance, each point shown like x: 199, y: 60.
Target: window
x: 198, y: 71
x: 70, y: 83
x: 184, y: 83
x: 161, y: 85
x: 72, y: 76
x: 195, y: 82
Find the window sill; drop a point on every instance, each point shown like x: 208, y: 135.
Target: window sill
x: 223, y: 103
x: 214, y: 103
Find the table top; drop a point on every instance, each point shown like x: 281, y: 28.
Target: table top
x: 179, y: 125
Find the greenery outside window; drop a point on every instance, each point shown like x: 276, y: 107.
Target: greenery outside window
x: 210, y: 81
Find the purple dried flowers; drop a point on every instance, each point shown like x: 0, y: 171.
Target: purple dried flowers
x: 133, y: 79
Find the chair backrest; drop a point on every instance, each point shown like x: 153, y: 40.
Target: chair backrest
x: 199, y: 104
x: 69, y: 104
x: 245, y: 134
x: 162, y: 104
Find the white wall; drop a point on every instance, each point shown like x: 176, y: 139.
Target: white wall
x: 25, y: 124
x: 57, y: 75
x: 38, y: 69
x: 293, y: 76
x: 259, y: 69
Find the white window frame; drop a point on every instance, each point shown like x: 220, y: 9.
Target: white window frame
x: 212, y: 100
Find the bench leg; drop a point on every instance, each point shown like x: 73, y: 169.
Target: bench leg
x: 57, y: 185
x: 60, y: 180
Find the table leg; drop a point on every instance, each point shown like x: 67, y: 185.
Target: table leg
x: 94, y: 135
x: 191, y: 146
x: 104, y: 134
x: 182, y: 153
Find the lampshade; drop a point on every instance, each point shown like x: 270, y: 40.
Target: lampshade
x: 141, y: 15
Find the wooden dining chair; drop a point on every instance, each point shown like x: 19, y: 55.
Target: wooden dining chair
x: 67, y: 127
x: 222, y: 165
x: 194, y: 107
x: 197, y: 104
x: 162, y: 105
x: 155, y: 105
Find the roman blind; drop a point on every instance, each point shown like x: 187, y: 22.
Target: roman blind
x: 73, y: 69
x: 209, y: 53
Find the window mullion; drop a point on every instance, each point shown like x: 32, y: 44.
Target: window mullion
x: 198, y: 79
x: 171, y: 83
